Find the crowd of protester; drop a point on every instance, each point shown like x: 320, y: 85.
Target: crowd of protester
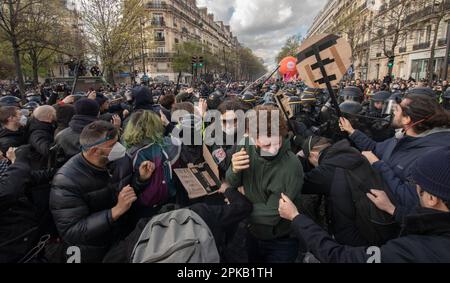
x: 93, y: 170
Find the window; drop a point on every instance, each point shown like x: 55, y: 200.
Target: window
x: 419, y: 68
x: 428, y: 37
x: 160, y: 50
x: 159, y: 35
x: 158, y: 19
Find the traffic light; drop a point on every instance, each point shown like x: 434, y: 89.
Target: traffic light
x: 200, y: 62
x: 194, y: 61
x: 391, y: 62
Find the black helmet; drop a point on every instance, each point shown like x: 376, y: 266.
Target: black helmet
x: 314, y: 91
x: 31, y: 106
x: 248, y: 97
x: 214, y: 100
x: 10, y: 101
x: 352, y: 93
x: 295, y: 103
x: 350, y: 107
x: 381, y: 96
x: 308, y: 98
x: 421, y: 90
x: 34, y: 98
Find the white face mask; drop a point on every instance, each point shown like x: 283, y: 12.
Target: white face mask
x: 229, y: 131
x: 23, y: 121
x: 399, y: 134
x: 117, y: 152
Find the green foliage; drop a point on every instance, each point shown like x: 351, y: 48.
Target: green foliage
x: 290, y: 47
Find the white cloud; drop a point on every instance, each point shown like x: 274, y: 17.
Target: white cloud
x: 264, y: 25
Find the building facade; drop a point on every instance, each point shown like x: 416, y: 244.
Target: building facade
x: 176, y: 21
x: 367, y: 24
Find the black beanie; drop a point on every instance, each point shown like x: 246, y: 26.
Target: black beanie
x: 432, y: 173
x: 87, y: 107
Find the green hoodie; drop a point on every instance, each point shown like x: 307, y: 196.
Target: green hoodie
x: 264, y: 182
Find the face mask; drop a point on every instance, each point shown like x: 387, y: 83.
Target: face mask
x: 118, y: 152
x: 23, y: 121
x: 229, y: 131
x: 399, y: 134
x: 269, y: 156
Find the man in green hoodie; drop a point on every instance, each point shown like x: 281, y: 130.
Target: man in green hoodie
x: 266, y: 170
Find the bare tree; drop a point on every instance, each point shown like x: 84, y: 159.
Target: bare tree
x: 352, y: 26
x: 45, y: 34
x: 393, y: 25
x: 110, y: 25
x: 13, y: 14
x: 440, y: 9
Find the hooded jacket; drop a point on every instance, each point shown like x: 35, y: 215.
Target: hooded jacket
x: 263, y: 183
x: 344, y: 176
x: 69, y: 139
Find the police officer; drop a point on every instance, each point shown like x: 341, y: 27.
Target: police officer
x: 215, y: 99
x: 377, y: 103
x: 446, y: 99
x: 351, y: 93
x: 379, y: 127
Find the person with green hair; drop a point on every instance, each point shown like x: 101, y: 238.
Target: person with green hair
x: 145, y: 141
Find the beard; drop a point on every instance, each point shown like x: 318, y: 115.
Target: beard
x: 396, y: 123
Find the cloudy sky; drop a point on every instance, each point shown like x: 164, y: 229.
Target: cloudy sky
x: 264, y: 25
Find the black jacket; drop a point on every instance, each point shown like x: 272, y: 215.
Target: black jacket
x: 426, y: 240
x: 11, y: 139
x: 69, y: 139
x: 81, y: 200
x: 41, y: 140
x: 340, y: 155
x: 345, y: 176
x: 18, y: 219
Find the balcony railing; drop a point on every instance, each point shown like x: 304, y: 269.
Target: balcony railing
x: 162, y: 5
x: 159, y: 55
x: 158, y: 23
x: 419, y: 46
x: 160, y: 39
x: 402, y: 49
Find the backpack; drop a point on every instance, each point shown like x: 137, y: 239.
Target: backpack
x: 179, y: 236
x: 374, y: 224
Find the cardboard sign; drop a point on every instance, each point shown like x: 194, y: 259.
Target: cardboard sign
x: 200, y: 180
x: 335, y: 54
x: 284, y: 100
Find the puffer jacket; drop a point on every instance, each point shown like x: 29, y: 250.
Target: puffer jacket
x: 81, y: 200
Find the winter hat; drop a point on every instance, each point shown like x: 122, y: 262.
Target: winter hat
x: 87, y: 107
x: 142, y: 96
x: 432, y: 173
x: 421, y: 90
x: 64, y: 114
